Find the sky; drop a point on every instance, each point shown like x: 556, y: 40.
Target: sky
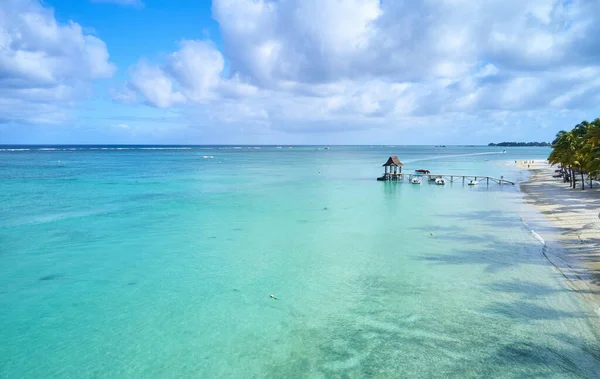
x: 296, y: 71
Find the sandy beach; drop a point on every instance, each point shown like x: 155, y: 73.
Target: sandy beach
x: 575, y: 216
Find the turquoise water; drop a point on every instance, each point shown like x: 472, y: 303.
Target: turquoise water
x: 160, y: 263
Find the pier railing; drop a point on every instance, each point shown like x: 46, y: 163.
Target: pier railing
x: 452, y: 178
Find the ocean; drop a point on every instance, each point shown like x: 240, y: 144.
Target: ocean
x: 278, y: 262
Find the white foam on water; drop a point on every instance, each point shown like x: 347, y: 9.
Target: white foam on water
x: 15, y: 149
x: 451, y: 156
x: 165, y: 148
x: 533, y: 233
x: 538, y: 237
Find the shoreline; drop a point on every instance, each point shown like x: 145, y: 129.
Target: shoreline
x: 574, y: 220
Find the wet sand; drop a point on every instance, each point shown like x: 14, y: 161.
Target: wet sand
x: 574, y: 215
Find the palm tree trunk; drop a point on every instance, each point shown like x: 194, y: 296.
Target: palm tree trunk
x: 572, y: 177
x: 582, y: 181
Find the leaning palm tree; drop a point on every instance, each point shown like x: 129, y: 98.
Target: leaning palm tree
x: 593, y: 144
x: 563, y: 153
x: 578, y: 150
x: 581, y: 161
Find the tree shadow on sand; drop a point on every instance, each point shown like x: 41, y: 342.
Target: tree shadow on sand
x: 576, y: 259
x: 493, y: 255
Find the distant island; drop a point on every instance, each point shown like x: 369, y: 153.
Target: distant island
x: 522, y: 144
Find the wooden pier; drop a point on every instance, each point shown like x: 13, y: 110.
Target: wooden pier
x: 393, y: 172
x: 452, y: 178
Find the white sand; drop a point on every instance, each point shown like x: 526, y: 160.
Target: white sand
x: 575, y: 215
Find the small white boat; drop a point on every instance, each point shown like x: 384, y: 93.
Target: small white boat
x: 473, y: 182
x: 440, y: 181
x: 416, y: 180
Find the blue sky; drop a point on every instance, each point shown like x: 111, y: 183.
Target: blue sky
x: 296, y: 71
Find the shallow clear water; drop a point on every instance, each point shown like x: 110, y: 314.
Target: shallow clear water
x: 160, y: 263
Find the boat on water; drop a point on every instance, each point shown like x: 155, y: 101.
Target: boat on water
x: 440, y: 181
x: 415, y: 180
x: 422, y: 171
x: 473, y: 182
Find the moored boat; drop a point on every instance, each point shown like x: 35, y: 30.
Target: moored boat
x: 440, y: 181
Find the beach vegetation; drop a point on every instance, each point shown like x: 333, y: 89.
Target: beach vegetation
x: 578, y: 153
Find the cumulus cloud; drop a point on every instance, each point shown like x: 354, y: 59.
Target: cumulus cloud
x: 370, y: 62
x: 191, y: 74
x: 153, y: 84
x: 44, y: 65
x: 320, y: 41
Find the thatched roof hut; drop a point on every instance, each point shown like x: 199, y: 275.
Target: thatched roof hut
x: 393, y: 169
x: 393, y: 161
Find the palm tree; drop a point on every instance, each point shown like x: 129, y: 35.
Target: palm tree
x: 578, y: 149
x: 593, y: 143
x: 563, y: 153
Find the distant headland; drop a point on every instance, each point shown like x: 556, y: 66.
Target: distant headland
x: 521, y: 144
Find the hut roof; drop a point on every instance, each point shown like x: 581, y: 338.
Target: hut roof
x: 393, y: 161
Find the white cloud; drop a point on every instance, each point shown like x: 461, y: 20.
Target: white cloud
x: 335, y: 63
x: 44, y: 65
x: 126, y: 95
x: 153, y: 84
x: 190, y: 74
x: 487, y: 70
x: 196, y: 66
